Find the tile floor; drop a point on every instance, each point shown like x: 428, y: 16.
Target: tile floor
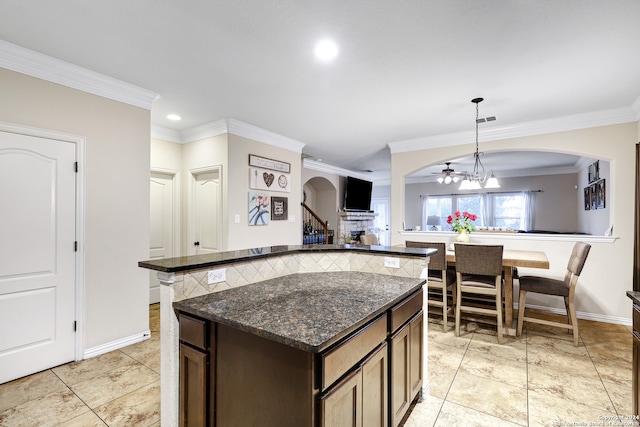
x: 539, y: 379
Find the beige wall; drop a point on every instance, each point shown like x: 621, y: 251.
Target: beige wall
x: 608, y: 273
x: 243, y: 235
x: 116, y: 196
x: 198, y: 155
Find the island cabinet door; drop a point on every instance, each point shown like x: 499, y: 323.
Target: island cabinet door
x: 342, y: 405
x: 406, y: 366
x: 400, y: 370
x: 375, y: 389
x: 361, y: 398
x: 193, y: 387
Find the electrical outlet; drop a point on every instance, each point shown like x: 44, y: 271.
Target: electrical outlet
x: 217, y: 276
x: 391, y: 262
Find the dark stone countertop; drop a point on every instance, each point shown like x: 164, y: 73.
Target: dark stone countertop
x: 635, y: 296
x: 185, y: 263
x: 309, y: 311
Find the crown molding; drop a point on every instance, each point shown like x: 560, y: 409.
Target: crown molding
x: 536, y: 127
x: 246, y: 130
x: 165, y: 134
x: 323, y: 167
x: 207, y: 130
x: 34, y: 64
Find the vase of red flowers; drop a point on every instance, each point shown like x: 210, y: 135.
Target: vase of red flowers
x: 462, y: 223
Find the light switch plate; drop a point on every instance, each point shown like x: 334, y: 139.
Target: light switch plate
x: 391, y: 262
x: 217, y: 276
x: 237, y: 219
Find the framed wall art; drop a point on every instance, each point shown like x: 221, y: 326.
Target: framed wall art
x: 601, y: 194
x: 263, y: 179
x: 279, y: 208
x: 258, y: 208
x: 587, y: 198
x: 263, y: 162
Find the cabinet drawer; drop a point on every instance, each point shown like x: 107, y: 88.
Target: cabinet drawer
x: 193, y: 331
x: 405, y: 310
x: 636, y: 318
x: 341, y: 359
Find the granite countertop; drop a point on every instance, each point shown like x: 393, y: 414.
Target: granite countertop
x: 174, y: 265
x: 635, y: 296
x: 309, y: 311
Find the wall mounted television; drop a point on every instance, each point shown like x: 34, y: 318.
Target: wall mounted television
x: 357, y: 196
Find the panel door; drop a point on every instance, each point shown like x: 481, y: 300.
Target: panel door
x: 37, y: 255
x: 206, y: 212
x: 162, y: 222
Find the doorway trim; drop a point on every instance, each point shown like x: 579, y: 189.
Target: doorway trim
x: 80, y: 145
x: 177, y: 186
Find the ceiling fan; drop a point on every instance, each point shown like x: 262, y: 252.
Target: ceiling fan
x: 448, y: 175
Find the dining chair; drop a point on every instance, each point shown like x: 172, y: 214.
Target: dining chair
x: 439, y: 278
x: 564, y: 288
x: 369, y: 239
x: 479, y: 272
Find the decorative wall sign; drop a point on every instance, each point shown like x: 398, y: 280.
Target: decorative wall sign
x: 265, y: 163
x: 279, y: 208
x: 263, y: 179
x: 258, y: 208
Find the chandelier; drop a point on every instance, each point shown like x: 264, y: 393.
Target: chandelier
x: 475, y: 180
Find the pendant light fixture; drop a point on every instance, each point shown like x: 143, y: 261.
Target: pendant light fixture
x: 479, y: 176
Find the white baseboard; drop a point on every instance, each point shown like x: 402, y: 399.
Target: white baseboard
x: 115, y: 345
x: 582, y: 315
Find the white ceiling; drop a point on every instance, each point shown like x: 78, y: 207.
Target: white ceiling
x: 405, y: 70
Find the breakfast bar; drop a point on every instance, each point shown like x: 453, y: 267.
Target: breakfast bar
x: 292, y: 332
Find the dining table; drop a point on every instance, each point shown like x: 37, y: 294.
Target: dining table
x: 511, y: 258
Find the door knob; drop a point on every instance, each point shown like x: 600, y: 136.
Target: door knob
x: 196, y: 243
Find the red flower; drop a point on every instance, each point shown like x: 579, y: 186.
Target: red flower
x: 457, y: 213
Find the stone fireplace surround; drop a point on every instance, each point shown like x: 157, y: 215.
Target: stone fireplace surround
x: 355, y: 223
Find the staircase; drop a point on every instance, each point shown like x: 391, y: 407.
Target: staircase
x: 315, y: 231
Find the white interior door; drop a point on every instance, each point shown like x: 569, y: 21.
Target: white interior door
x: 381, y: 223
x: 206, y: 212
x: 161, y: 244
x: 37, y: 254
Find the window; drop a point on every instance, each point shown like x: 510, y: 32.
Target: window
x: 505, y: 210
x: 443, y: 206
x: 508, y: 210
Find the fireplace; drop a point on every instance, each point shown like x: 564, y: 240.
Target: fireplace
x: 355, y: 224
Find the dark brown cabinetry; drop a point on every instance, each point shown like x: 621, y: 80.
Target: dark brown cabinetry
x: 225, y: 371
x: 406, y: 358
x: 636, y: 357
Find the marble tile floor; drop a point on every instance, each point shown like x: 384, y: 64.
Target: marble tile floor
x: 539, y: 379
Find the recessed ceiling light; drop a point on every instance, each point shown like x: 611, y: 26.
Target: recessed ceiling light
x: 174, y: 117
x: 326, y: 50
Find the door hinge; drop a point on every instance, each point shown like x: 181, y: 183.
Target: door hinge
x: 75, y: 325
x: 75, y: 246
x: 76, y: 166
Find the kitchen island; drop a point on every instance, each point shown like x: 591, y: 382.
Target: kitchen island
x: 187, y: 277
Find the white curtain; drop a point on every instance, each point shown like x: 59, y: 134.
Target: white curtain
x: 528, y: 209
x: 423, y: 217
x: 486, y: 210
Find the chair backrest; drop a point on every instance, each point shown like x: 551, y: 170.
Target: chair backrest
x: 437, y: 261
x: 578, y: 257
x: 485, y: 260
x: 369, y: 239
